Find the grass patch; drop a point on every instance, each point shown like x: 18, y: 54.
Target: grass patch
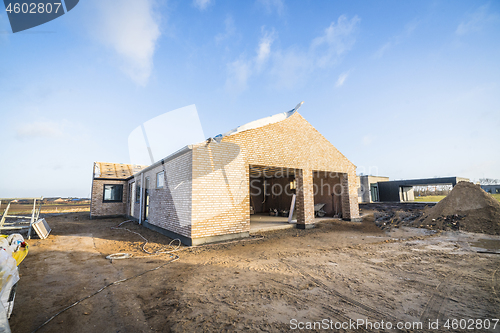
x: 437, y: 198
x: 430, y: 198
x: 50, y: 211
x: 25, y: 209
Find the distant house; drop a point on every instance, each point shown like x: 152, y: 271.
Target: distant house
x: 492, y: 189
x: 373, y: 189
x: 368, y: 188
x: 206, y: 192
x: 60, y: 200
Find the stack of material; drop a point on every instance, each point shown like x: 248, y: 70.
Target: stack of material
x: 466, y: 208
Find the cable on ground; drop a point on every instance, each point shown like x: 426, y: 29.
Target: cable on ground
x: 175, y: 257
x: 174, y: 245
x: 115, y: 256
x: 175, y: 248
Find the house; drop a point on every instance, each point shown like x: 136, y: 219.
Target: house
x: 402, y: 190
x: 368, y: 188
x: 205, y: 192
x: 492, y: 189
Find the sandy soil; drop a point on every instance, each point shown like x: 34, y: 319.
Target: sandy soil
x: 337, y: 271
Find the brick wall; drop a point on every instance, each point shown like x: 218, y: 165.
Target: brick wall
x: 98, y: 208
x: 221, y: 173
x: 346, y: 200
x: 220, y: 190
x: 305, y: 196
x: 169, y: 206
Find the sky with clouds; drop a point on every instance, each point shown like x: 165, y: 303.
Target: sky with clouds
x: 405, y: 89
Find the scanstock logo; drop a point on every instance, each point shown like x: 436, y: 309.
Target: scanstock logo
x: 26, y: 15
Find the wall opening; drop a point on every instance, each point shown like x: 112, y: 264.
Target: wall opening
x: 271, y: 193
x: 327, y: 187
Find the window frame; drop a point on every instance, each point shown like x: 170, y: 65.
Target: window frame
x: 129, y: 193
x: 162, y: 178
x: 138, y: 191
x: 104, y: 193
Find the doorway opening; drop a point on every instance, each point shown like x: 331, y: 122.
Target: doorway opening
x: 146, y: 199
x: 327, y: 194
x: 272, y: 191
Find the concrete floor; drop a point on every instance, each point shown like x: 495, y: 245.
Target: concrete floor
x: 265, y: 222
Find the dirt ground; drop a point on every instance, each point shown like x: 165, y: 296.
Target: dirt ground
x: 338, y: 271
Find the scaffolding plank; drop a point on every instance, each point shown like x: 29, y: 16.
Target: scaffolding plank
x: 42, y: 229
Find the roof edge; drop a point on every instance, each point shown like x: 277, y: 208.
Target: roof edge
x: 170, y: 157
x: 259, y: 123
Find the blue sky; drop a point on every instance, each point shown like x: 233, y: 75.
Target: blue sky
x: 405, y: 89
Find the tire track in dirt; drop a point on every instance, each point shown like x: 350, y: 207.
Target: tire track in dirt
x: 433, y: 308
x: 356, y: 304
x: 327, y: 311
x: 494, y: 282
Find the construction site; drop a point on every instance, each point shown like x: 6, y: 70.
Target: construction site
x: 249, y: 166
x: 234, y: 235
x: 340, y: 271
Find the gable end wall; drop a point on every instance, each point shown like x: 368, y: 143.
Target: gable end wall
x: 221, y: 172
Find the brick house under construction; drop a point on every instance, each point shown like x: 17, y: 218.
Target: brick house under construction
x: 207, y: 192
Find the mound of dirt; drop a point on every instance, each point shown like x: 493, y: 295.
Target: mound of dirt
x: 467, y: 208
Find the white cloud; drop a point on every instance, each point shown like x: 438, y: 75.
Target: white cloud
x: 229, y: 30
x: 131, y: 29
x: 341, y: 79
x: 477, y: 21
x: 395, y: 40
x: 264, y: 48
x: 39, y: 129
x: 272, y: 5
x: 238, y: 74
x: 337, y: 39
x: 293, y: 65
x: 202, y: 4
x: 239, y: 71
x: 381, y: 51
x: 288, y: 67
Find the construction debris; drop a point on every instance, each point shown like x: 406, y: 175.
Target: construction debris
x: 387, y: 218
x: 42, y: 228
x: 21, y: 222
x: 466, y: 208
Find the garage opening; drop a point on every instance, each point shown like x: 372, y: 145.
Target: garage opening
x: 327, y: 194
x: 272, y: 190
